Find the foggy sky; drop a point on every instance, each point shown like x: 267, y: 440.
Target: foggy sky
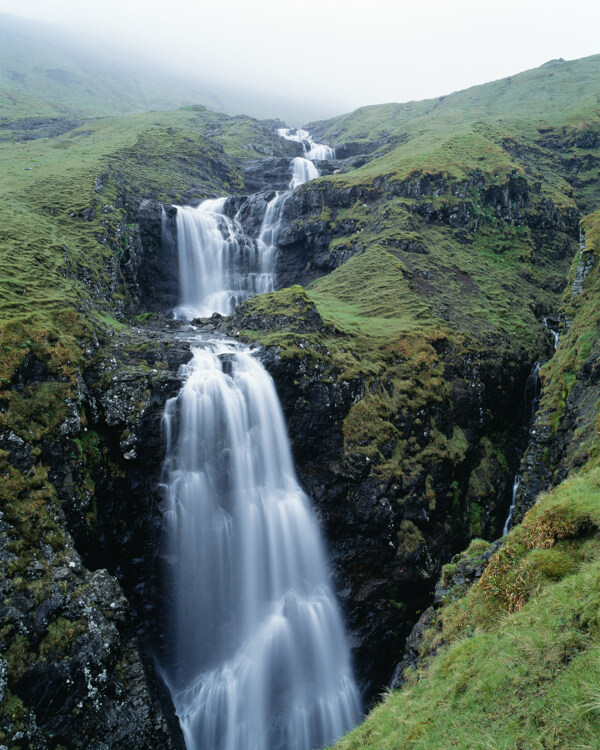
x: 342, y: 52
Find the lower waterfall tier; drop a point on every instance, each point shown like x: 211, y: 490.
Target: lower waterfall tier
x: 259, y: 656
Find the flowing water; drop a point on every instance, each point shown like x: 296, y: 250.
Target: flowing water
x: 219, y: 265
x: 513, y: 505
x: 532, y: 394
x: 257, y: 656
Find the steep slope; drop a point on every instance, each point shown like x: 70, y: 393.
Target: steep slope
x: 71, y: 665
x: 429, y: 260
x: 514, y: 660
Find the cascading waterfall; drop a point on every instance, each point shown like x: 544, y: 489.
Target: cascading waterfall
x: 556, y: 335
x: 257, y: 656
x: 312, y: 150
x: 303, y: 168
x: 219, y: 265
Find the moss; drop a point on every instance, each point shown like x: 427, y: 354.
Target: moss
x: 18, y: 657
x: 61, y: 635
x: 498, y: 659
x: 410, y: 539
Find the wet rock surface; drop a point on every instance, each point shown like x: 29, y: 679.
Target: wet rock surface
x: 463, y: 571
x: 386, y: 541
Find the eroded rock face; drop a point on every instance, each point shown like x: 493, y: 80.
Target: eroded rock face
x: 77, y: 662
x: 150, y: 265
x: 386, y: 538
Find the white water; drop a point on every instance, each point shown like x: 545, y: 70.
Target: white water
x: 257, y: 656
x: 554, y: 333
x: 219, y: 265
x: 513, y: 505
x: 259, y: 660
x: 312, y: 150
x: 531, y: 387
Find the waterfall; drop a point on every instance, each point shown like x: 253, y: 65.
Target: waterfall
x: 513, y: 505
x: 256, y: 655
x: 556, y: 335
x: 312, y: 150
x: 219, y: 265
x: 259, y: 657
x: 532, y: 391
x: 303, y: 170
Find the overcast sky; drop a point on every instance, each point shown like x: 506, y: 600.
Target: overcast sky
x: 348, y: 52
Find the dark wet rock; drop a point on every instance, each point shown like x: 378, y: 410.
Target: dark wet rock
x: 19, y: 452
x: 386, y: 542
x: 268, y: 174
x: 150, y: 264
x: 463, y: 571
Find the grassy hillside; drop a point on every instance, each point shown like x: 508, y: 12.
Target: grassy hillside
x: 59, y: 194
x: 518, y: 657
x: 514, y: 661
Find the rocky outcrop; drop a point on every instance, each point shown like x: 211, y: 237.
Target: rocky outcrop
x: 458, y: 576
x: 150, y: 263
x: 76, y: 662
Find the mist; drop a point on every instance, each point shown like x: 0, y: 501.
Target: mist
x: 326, y: 56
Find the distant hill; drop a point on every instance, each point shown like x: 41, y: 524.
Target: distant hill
x: 45, y: 71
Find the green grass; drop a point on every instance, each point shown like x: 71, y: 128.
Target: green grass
x: 519, y: 655
x: 503, y: 128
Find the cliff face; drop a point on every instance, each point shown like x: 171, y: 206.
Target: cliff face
x: 564, y: 436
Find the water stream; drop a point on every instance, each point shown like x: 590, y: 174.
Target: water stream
x: 257, y: 656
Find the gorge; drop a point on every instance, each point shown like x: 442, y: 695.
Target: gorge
x: 391, y: 298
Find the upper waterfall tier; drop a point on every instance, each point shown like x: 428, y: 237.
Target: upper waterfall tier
x: 219, y: 264
x: 312, y: 150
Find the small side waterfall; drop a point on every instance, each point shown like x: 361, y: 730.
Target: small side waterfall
x: 513, y: 505
x: 532, y: 394
x: 548, y: 323
x: 257, y: 657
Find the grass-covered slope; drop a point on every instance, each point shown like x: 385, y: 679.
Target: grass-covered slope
x: 491, y: 124
x: 453, y: 225
x: 515, y: 661
x: 518, y: 662
x: 465, y: 217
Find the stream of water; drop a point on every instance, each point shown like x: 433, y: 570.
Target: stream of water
x: 257, y: 656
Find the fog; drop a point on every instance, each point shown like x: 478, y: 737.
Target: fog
x: 335, y: 55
